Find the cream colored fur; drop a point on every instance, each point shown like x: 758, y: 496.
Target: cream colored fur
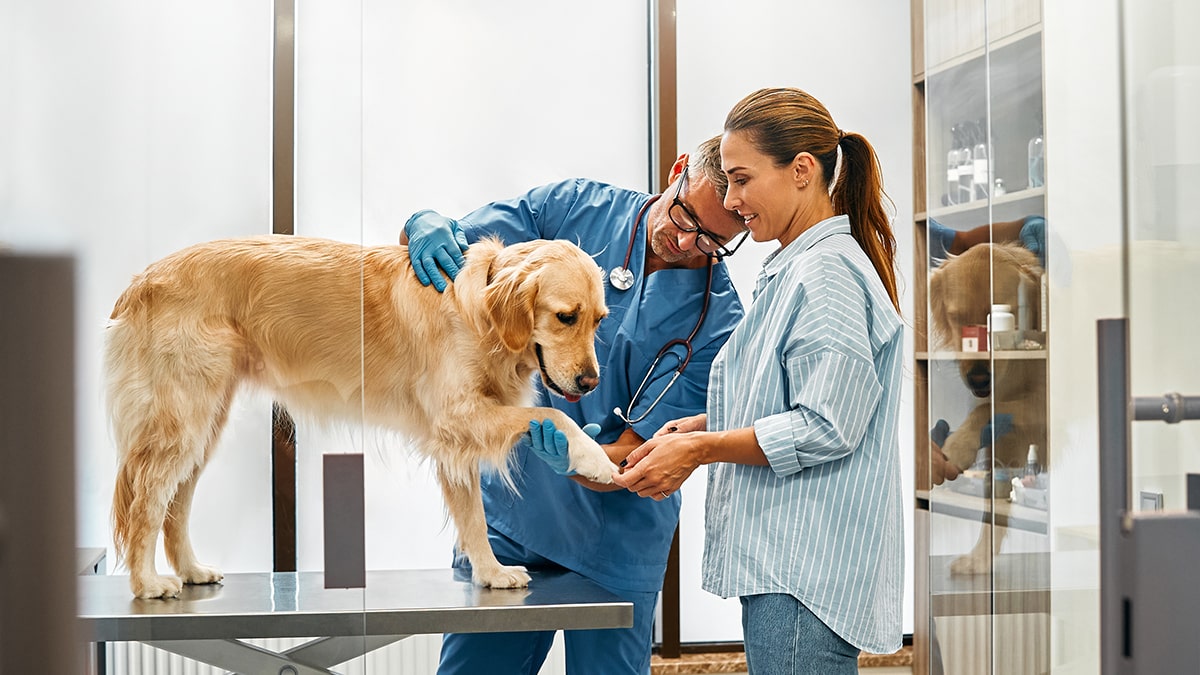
x: 339, y: 332
x: 961, y: 293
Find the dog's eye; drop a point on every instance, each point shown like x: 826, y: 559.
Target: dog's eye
x: 566, y: 318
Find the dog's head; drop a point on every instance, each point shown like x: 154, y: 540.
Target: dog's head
x: 963, y: 289
x: 547, y: 298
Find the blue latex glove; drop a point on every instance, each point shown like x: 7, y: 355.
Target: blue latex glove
x: 941, y: 240
x: 1033, y: 237
x: 550, y: 444
x: 435, y: 245
x: 1002, y: 424
x: 939, y: 432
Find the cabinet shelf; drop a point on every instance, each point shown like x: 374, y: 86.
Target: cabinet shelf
x: 1027, y: 199
x: 1006, y: 355
x: 977, y: 54
x: 1000, y: 512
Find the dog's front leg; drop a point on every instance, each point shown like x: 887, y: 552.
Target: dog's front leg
x: 464, y: 500
x: 588, y: 459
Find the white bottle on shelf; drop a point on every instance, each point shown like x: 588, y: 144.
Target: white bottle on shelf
x: 1031, y: 461
x: 1037, y: 162
x: 983, y: 163
x: 1001, y: 318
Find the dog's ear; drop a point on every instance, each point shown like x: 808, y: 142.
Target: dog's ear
x: 510, y: 297
x: 940, y: 323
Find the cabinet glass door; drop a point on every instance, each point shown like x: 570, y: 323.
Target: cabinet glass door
x: 984, y: 363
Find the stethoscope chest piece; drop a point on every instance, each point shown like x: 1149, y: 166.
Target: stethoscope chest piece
x: 620, y: 278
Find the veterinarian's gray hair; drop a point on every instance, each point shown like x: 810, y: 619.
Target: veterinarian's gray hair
x: 707, y: 158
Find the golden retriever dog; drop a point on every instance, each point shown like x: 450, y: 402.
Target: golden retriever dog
x: 961, y: 292
x: 339, y: 332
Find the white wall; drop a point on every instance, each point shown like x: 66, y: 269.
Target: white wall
x: 854, y: 56
x: 128, y: 130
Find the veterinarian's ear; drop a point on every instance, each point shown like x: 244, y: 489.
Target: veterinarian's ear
x: 510, y: 298
x: 677, y: 168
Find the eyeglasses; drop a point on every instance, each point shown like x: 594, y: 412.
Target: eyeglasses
x: 686, y: 221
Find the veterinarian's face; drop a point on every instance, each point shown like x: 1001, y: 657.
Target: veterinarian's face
x: 703, y: 208
x: 764, y: 195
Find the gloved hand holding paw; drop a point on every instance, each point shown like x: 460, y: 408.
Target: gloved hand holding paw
x: 551, y: 445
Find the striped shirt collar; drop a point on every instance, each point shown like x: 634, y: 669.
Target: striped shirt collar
x: 778, y: 259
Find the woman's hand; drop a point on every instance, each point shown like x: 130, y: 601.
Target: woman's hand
x: 683, y: 425
x: 659, y: 466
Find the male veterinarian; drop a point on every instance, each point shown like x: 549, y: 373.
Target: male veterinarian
x: 652, y: 250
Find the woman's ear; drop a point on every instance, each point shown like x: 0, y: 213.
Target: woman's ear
x: 804, y: 167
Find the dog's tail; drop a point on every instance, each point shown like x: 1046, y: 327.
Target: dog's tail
x: 122, y: 504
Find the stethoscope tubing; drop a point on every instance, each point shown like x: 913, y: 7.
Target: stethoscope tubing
x: 683, y: 363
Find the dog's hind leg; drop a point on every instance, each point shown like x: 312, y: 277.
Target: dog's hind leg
x: 464, y: 500
x: 979, y: 560
x: 176, y: 538
x: 148, y: 479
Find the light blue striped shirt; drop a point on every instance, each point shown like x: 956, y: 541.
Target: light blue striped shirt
x: 815, y: 368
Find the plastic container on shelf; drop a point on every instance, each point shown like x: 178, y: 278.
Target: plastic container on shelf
x: 1037, y: 162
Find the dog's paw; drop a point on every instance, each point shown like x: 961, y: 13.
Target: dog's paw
x: 501, y: 576
x: 201, y: 574
x: 156, y: 586
x: 589, y: 460
x: 970, y: 564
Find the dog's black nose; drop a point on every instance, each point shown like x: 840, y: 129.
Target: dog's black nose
x: 586, y: 382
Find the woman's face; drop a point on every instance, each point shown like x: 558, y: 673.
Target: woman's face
x: 767, y: 197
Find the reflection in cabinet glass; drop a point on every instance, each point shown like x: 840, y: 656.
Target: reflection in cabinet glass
x: 980, y: 400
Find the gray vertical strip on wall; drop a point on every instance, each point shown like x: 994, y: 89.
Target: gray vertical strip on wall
x: 1112, y: 352
x: 283, y: 119
x: 345, y: 526
x: 37, y: 465
x: 283, y: 438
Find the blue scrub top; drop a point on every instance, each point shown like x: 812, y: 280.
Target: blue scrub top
x: 616, y: 538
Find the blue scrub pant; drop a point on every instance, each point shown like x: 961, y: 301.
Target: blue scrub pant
x: 613, y: 651
x: 783, y: 637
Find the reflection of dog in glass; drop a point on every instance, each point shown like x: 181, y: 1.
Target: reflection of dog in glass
x: 1013, y: 390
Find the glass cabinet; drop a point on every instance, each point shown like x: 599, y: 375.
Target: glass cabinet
x: 981, y: 316
x: 1054, y: 146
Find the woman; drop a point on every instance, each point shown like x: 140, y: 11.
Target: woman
x: 803, y: 518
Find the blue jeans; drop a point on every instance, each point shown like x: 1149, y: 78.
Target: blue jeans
x: 613, y: 651
x: 784, y: 638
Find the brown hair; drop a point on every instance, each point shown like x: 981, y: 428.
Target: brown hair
x: 783, y: 122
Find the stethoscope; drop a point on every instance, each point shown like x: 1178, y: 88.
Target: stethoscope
x: 621, y: 279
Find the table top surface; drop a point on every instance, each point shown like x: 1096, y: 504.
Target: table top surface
x: 297, y: 604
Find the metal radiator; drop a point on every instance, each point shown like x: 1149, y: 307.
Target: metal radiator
x: 417, y: 655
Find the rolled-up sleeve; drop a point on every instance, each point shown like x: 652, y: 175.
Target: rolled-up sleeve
x: 833, y: 397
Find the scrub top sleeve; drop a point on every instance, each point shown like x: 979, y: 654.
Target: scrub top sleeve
x: 537, y: 214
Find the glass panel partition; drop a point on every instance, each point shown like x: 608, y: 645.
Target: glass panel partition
x: 137, y: 130
x: 982, y: 352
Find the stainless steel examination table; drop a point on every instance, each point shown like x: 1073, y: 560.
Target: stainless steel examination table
x: 206, y: 622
